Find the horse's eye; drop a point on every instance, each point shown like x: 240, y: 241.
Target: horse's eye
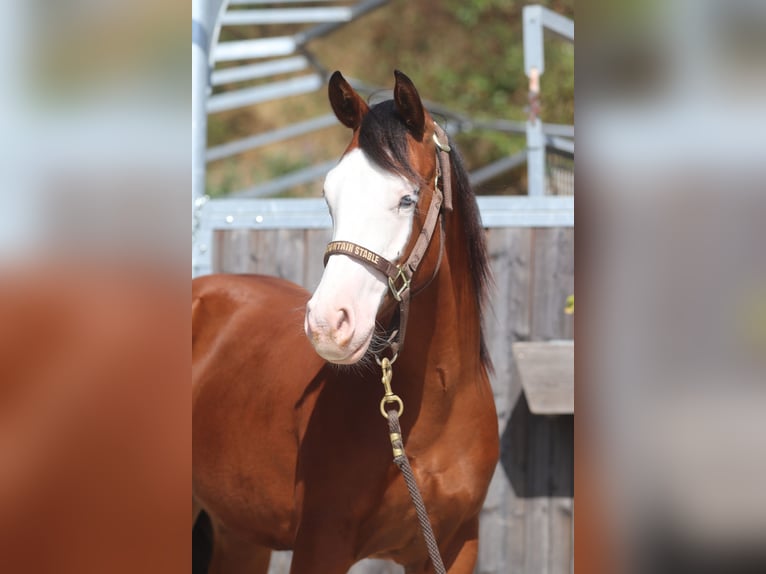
x: 406, y: 201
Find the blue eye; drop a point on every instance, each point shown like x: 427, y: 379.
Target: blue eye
x: 406, y: 201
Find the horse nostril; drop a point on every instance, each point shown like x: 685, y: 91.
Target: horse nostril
x: 344, y: 327
x: 342, y: 318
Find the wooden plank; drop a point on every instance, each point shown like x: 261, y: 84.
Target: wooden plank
x: 291, y: 255
x: 551, y: 444
x: 549, y: 492
x: 546, y: 371
x: 514, y: 459
x: 562, y: 544
x: 539, y: 476
x: 372, y: 566
x: 264, y: 247
x: 537, y: 455
x: 502, y: 546
x: 561, y: 494
x: 284, y: 253
x: 280, y: 562
x: 507, y: 316
x: 493, y: 526
x: 270, y: 252
x: 232, y: 251
x: 315, y: 241
x: 553, y: 281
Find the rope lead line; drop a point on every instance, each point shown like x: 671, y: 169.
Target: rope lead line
x: 401, y: 460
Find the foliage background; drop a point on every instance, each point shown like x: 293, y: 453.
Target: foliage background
x: 465, y: 55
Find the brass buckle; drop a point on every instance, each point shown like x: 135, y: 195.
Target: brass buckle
x: 440, y: 145
x: 397, y: 291
x: 388, y: 394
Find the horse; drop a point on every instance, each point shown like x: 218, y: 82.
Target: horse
x: 288, y: 451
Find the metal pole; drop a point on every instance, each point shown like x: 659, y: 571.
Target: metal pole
x: 201, y: 30
x: 534, y: 66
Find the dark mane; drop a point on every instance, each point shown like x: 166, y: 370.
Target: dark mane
x: 382, y: 137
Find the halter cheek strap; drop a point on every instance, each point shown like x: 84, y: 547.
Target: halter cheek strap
x: 400, y: 276
x: 443, y: 170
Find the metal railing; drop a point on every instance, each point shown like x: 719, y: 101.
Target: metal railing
x: 537, y: 20
x: 288, y: 54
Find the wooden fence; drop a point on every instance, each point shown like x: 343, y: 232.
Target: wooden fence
x: 526, y: 525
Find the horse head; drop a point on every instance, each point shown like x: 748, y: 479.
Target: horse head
x: 373, y: 194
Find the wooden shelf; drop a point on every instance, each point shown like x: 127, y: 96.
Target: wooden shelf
x: 547, y: 375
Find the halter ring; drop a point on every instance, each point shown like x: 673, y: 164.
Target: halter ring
x: 391, y: 399
x: 391, y: 361
x: 398, y: 291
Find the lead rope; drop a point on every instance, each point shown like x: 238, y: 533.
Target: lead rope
x: 401, y: 460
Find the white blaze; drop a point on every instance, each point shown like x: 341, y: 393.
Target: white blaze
x: 364, y: 201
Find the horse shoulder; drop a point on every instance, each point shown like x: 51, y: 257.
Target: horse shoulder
x: 251, y: 365
x: 459, y: 464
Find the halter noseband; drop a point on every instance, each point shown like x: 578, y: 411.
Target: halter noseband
x: 400, y: 276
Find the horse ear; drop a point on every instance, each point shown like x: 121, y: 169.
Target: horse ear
x: 348, y: 106
x: 409, y: 106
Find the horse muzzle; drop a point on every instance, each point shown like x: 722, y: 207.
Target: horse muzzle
x: 334, y: 334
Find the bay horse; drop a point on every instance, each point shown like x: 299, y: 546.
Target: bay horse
x: 288, y: 451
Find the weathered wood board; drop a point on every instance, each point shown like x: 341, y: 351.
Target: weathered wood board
x: 546, y: 370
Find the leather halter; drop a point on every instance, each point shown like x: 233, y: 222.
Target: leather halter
x: 400, y: 276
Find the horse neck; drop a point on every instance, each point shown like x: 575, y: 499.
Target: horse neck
x: 445, y: 319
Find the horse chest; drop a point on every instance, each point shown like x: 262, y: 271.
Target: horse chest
x: 452, y: 489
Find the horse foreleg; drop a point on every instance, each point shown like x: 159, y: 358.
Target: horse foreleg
x: 461, y: 555
x: 235, y: 556
x: 321, y: 551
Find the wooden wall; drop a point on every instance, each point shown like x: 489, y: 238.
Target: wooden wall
x: 526, y: 524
